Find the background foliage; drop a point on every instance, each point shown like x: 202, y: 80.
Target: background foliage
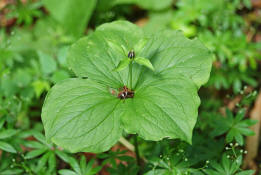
x: 34, y: 40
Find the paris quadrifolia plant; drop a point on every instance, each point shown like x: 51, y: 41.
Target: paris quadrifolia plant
x: 138, y: 83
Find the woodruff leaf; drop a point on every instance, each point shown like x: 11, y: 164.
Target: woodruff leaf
x: 84, y: 115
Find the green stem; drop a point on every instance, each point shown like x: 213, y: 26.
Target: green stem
x: 137, y: 153
x: 233, y: 150
x: 130, y: 75
x: 135, y: 136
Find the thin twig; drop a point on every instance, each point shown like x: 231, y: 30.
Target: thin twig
x: 127, y: 144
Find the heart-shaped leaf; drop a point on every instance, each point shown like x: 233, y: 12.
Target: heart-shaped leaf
x: 89, y: 115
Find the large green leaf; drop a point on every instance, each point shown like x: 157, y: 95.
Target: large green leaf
x: 172, y: 53
x: 94, y: 57
x: 165, y: 107
x: 86, y: 115
x: 72, y: 14
x: 81, y: 115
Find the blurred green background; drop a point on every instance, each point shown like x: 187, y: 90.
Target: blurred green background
x: 35, y: 36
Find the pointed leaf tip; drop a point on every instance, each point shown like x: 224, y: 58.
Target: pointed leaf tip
x: 122, y: 64
x: 144, y: 62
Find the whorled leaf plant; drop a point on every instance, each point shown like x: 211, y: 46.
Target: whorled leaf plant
x: 137, y: 83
